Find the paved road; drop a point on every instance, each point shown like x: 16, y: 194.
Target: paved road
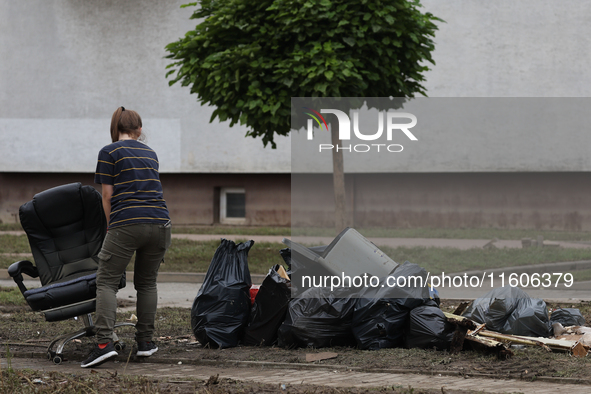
x: 321, y: 377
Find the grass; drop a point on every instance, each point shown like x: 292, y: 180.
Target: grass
x: 455, y: 233
x: 14, y: 244
x: 448, y: 233
x: 11, y: 296
x: 582, y: 275
x: 195, y: 256
x: 10, y: 227
x: 437, y: 260
x: 231, y: 230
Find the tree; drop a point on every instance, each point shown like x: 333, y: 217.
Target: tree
x: 248, y: 58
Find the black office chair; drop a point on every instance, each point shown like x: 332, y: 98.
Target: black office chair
x: 65, y: 226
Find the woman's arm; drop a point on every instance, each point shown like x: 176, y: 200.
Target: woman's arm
x: 107, y: 194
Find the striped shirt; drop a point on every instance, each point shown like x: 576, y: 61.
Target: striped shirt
x: 132, y: 168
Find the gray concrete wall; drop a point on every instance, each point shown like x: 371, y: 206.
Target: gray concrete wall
x: 66, y: 65
x: 511, y: 48
x: 458, y: 135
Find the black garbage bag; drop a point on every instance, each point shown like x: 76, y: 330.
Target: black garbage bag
x: 510, y: 310
x: 428, y: 328
x: 221, y: 309
x: 268, y: 311
x: 381, y: 313
x: 567, y: 317
x: 502, y: 303
x: 318, y: 318
x: 286, y: 255
x: 530, y: 318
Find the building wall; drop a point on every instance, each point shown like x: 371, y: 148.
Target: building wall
x: 191, y: 198
x: 508, y: 48
x: 68, y: 64
x: 558, y: 201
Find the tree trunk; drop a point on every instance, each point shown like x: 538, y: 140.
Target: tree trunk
x: 338, y: 177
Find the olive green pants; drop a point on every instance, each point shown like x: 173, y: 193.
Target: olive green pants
x: 149, y: 242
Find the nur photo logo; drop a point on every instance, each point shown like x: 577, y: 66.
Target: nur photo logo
x: 390, y: 118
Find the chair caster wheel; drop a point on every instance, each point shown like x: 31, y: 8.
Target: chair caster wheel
x: 50, y: 355
x: 119, y: 346
x: 57, y: 360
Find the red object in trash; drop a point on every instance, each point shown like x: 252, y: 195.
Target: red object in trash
x: 254, y: 290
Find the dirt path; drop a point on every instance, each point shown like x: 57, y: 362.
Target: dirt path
x: 294, y: 377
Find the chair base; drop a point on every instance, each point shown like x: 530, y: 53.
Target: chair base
x: 88, y: 331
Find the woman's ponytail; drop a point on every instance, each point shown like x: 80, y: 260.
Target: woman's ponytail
x: 115, y: 124
x: 125, y: 122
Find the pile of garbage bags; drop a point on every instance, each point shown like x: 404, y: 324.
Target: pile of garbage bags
x: 229, y: 311
x: 223, y: 315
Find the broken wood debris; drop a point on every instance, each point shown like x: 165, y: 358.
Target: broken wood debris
x: 497, y: 341
x: 493, y: 340
x: 465, y: 331
x: 311, y: 357
x: 513, y: 339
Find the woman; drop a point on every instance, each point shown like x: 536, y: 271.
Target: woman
x: 138, y: 222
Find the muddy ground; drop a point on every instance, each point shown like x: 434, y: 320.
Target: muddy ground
x: 26, y: 331
x: 107, y: 382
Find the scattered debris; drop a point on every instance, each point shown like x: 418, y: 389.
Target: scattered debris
x: 461, y: 308
x: 514, y: 339
x: 491, y: 244
x: 227, y: 310
x: 132, y: 319
x: 213, y: 380
x: 467, y: 329
x: 538, y: 242
x: 311, y: 357
x: 558, y: 329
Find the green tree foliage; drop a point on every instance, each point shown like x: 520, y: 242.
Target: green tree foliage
x: 248, y: 58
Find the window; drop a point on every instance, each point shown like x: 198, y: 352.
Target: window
x: 232, y: 206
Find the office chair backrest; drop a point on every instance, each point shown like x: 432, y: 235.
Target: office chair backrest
x: 66, y: 226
